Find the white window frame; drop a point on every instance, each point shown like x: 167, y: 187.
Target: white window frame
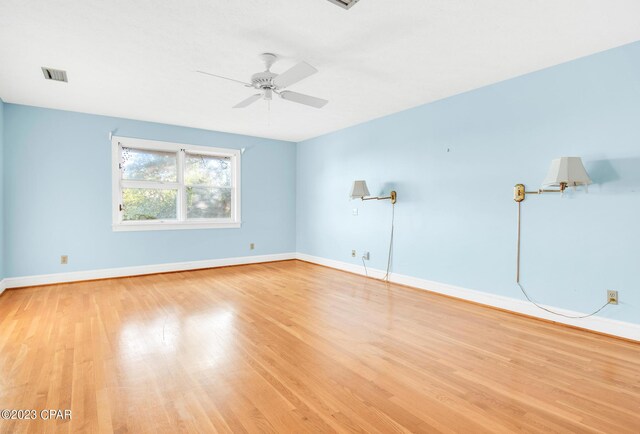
x: 181, y: 222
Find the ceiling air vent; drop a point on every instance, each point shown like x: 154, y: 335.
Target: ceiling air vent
x: 344, y: 3
x: 54, y: 74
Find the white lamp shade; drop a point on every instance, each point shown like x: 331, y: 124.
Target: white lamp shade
x: 359, y: 190
x: 567, y: 170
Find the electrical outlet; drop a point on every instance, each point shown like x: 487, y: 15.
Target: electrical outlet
x: 365, y: 256
x: 64, y: 259
x: 612, y: 297
x: 353, y: 253
x: 252, y: 246
x: 354, y: 211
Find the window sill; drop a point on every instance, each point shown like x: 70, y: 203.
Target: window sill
x: 133, y: 227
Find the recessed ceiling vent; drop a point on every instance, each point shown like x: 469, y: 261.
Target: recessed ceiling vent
x: 54, y: 74
x: 344, y: 3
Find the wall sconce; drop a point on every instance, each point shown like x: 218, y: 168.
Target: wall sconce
x: 564, y: 172
x: 360, y: 191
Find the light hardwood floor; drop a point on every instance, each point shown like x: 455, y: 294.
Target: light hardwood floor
x: 294, y: 347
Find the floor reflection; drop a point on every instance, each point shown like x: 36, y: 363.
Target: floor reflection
x: 193, y: 341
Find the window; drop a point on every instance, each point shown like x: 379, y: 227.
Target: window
x: 161, y: 185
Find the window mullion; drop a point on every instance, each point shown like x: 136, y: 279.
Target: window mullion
x: 235, y: 185
x: 120, y: 201
x: 182, y: 194
x: 149, y: 185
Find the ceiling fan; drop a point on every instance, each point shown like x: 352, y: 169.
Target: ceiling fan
x: 269, y: 83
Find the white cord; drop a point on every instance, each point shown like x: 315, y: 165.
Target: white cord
x: 527, y: 295
x: 558, y: 313
x: 366, y: 273
x: 390, y: 255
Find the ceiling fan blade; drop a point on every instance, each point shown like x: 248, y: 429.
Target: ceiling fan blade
x: 303, y: 99
x: 293, y: 75
x: 248, y: 101
x: 226, y: 78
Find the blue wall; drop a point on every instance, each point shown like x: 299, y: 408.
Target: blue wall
x: 2, y: 255
x: 454, y: 163
x: 58, y: 196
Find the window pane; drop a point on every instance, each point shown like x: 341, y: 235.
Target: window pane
x: 149, y: 204
x: 145, y: 165
x: 208, y: 203
x: 207, y: 170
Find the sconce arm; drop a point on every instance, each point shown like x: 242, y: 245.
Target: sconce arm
x: 519, y: 192
x: 392, y: 196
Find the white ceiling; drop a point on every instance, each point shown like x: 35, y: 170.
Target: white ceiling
x: 136, y: 59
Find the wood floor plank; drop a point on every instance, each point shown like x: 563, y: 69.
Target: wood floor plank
x: 294, y: 347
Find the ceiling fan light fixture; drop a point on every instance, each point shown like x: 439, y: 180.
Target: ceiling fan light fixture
x: 269, y: 83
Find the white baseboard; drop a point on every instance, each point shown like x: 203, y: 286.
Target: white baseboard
x: 595, y: 323
x: 74, y: 276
